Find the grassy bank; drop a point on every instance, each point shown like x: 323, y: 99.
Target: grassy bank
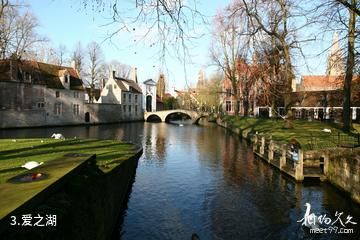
x: 59, y: 157
x: 308, y: 134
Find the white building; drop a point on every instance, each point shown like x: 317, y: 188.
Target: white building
x: 149, y: 90
x: 125, y: 92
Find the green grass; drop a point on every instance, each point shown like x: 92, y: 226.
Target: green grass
x: 13, y: 154
x: 308, y: 134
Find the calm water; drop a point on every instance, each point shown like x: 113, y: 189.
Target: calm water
x: 204, y: 180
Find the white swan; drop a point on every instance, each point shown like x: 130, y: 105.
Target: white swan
x: 31, y: 165
x: 58, y: 136
x: 327, y: 130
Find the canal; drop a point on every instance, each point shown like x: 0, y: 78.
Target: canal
x: 204, y: 180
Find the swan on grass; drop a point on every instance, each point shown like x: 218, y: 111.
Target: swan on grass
x: 58, y: 136
x: 31, y: 165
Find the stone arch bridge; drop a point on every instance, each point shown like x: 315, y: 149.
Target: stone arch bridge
x: 195, y: 116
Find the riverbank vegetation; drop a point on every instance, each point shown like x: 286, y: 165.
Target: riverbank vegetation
x: 309, y: 134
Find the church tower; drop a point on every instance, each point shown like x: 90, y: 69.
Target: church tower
x: 160, y: 87
x: 335, y: 65
x: 201, y: 79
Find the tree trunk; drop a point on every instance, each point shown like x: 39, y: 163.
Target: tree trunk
x: 349, y: 70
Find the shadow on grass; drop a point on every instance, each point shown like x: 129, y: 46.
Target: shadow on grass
x: 58, y: 147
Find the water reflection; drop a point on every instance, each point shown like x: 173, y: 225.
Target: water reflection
x: 192, y: 179
x: 209, y: 183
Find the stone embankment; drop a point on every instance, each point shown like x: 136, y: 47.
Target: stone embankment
x: 87, y: 204
x: 339, y: 166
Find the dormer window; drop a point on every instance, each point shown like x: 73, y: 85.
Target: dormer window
x: 66, y: 79
x: 27, y: 77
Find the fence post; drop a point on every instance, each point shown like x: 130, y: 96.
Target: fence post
x: 262, y: 147
x: 283, y: 157
x: 326, y: 163
x: 271, y: 151
x: 299, y: 170
x: 255, y: 143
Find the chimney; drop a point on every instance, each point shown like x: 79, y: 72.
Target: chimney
x: 73, y: 64
x: 102, y: 83
x: 113, y: 74
x: 136, y: 80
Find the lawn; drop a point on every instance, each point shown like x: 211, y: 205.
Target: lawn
x: 308, y: 133
x: 59, y: 157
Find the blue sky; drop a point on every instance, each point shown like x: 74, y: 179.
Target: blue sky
x: 67, y: 22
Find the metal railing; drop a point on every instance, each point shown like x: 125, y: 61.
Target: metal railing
x: 326, y: 140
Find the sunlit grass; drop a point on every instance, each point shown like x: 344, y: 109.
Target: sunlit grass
x: 308, y: 133
x: 16, y: 152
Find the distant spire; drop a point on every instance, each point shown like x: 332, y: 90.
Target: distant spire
x: 335, y: 65
x: 201, y: 78
x: 160, y: 86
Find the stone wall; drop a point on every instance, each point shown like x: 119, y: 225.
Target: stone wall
x: 111, y: 113
x: 343, y: 171
x: 67, y: 99
x: 341, y: 165
x: 98, y: 113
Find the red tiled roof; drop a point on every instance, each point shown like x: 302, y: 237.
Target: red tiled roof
x: 322, y: 82
x: 41, y: 73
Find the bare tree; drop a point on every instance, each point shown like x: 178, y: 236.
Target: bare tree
x: 350, y: 63
x: 94, y: 68
x: 61, y: 52
x: 78, y: 58
x: 4, y: 4
x: 341, y: 16
x: 230, y: 49
x: 17, y: 31
x: 209, y: 93
x: 169, y: 24
x: 122, y: 70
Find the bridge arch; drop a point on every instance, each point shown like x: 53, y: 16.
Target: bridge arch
x: 178, y: 114
x: 194, y: 116
x: 153, y: 118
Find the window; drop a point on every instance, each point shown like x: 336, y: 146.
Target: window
x: 76, y: 109
x: 298, y: 114
x: 41, y: 105
x: 58, y: 109
x: 136, y: 108
x: 136, y: 98
x: 76, y: 94
x: 228, y: 92
x: 228, y: 106
x: 129, y: 98
x: 124, y: 96
x: 26, y: 77
x: 57, y: 94
x: 129, y: 108
x: 124, y: 108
